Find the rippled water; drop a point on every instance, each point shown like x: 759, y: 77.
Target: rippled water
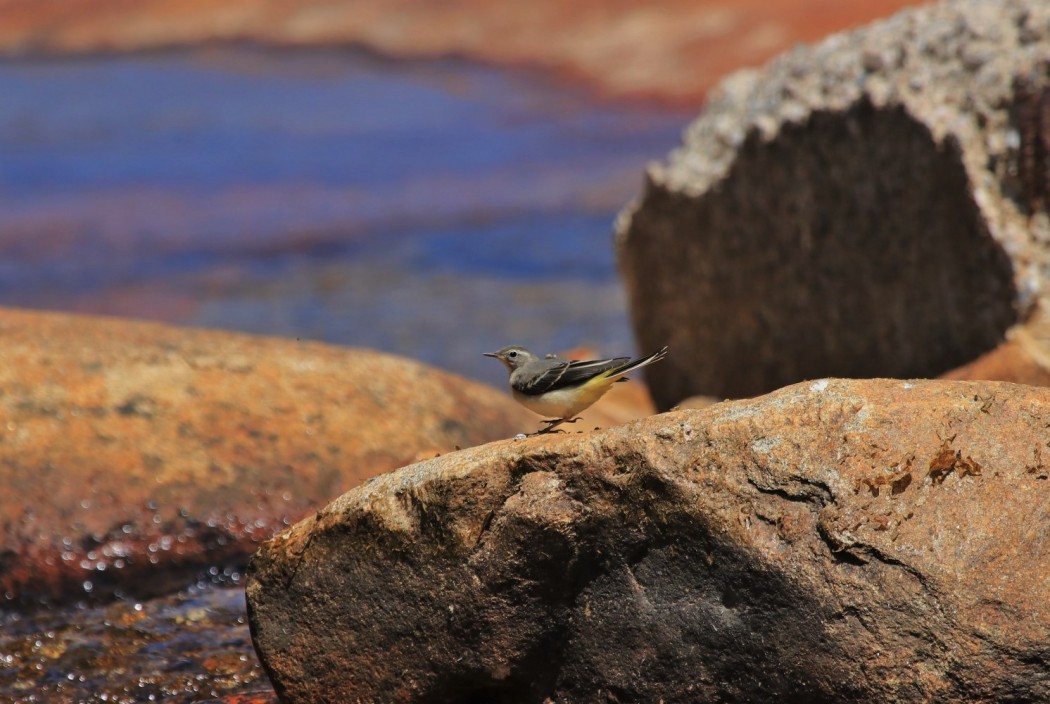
x: 193, y: 646
x: 433, y: 209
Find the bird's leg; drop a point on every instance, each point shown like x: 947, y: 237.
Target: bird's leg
x: 551, y: 425
x: 554, y: 423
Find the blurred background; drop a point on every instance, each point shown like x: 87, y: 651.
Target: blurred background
x: 430, y: 179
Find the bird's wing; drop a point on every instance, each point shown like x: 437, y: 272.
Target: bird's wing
x: 564, y: 374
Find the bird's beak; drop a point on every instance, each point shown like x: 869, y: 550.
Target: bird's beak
x: 490, y: 354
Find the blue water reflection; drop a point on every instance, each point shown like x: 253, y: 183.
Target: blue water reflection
x: 433, y: 209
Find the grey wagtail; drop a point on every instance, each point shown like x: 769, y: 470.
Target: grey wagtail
x: 552, y: 387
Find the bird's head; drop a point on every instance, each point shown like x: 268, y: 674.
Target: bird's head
x: 513, y: 357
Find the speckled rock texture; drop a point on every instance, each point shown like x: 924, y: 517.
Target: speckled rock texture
x: 863, y: 541
x: 873, y: 205
x: 134, y: 456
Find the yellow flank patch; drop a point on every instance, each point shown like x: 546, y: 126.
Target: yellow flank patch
x: 566, y: 403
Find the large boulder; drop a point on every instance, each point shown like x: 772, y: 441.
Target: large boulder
x: 864, y: 541
x: 135, y: 455
x: 874, y: 205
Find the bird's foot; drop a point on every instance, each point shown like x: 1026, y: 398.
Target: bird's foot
x: 552, y: 425
x: 558, y: 421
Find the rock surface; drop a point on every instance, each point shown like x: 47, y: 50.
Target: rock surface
x: 874, y: 205
x: 672, y: 49
x: 135, y: 455
x: 864, y: 541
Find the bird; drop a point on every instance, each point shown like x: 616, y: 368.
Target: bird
x: 549, y: 386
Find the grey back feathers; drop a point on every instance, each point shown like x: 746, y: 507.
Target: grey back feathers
x: 534, y: 376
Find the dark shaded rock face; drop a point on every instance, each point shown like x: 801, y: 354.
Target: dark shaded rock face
x: 857, y: 208
x: 835, y: 541
x: 135, y: 456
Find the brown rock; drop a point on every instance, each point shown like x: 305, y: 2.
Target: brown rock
x: 856, y: 208
x: 697, y: 402
x: 865, y: 541
x: 135, y: 455
x: 261, y: 697
x: 672, y: 49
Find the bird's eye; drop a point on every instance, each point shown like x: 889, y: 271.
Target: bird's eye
x: 512, y: 355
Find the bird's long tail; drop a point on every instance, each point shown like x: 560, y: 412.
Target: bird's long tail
x: 617, y: 373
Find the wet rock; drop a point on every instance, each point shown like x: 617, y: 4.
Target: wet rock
x: 874, y: 205
x: 184, y: 648
x: 673, y: 49
x: 259, y: 697
x: 864, y: 541
x: 135, y: 456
